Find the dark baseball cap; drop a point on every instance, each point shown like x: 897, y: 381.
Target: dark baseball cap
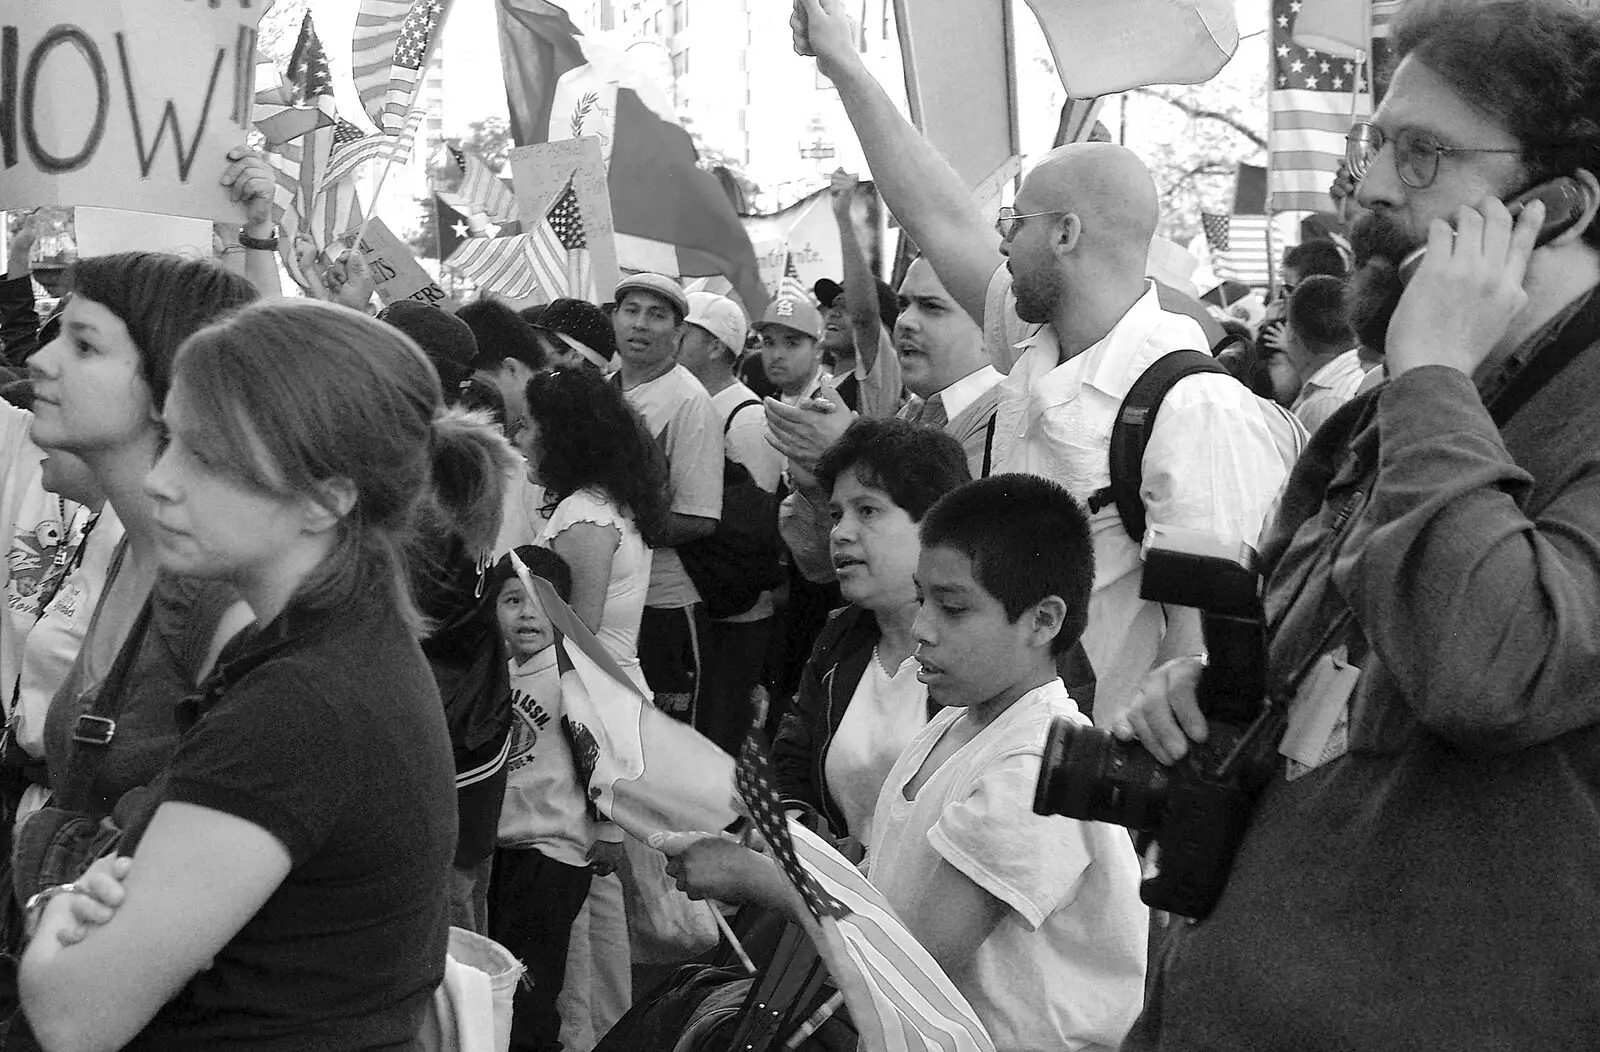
x: 444, y: 338
x: 827, y: 290
x: 582, y: 321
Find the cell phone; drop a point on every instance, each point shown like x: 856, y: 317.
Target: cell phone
x: 1564, y: 204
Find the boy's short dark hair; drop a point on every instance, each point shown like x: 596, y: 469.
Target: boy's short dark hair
x: 1316, y: 313
x: 1027, y: 539
x: 501, y: 333
x: 541, y: 562
x: 1317, y: 256
x: 914, y: 465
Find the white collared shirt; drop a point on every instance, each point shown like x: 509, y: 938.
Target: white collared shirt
x: 1211, y: 463
x: 968, y: 389
x: 1329, y: 388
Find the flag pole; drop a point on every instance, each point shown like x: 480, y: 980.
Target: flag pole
x: 383, y: 176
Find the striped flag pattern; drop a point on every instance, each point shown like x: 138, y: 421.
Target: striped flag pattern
x: 561, y: 250
x: 1238, y: 246
x: 483, y: 188
x: 1312, y: 99
x: 502, y: 265
x: 899, y: 997
x: 392, y: 41
x: 791, y: 287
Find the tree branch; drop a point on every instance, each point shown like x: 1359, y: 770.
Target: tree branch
x: 1200, y: 113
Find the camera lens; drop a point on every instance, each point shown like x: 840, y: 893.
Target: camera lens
x: 1087, y: 774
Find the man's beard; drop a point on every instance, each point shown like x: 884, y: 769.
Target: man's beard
x: 1375, y: 288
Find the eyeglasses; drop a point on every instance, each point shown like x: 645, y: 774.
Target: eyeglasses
x: 1010, y: 219
x: 1416, y: 153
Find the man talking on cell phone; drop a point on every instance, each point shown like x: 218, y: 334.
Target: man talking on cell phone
x: 1423, y: 869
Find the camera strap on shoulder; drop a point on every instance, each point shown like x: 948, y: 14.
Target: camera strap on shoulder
x: 1130, y: 435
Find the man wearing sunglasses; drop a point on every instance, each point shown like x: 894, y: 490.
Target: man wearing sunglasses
x: 1068, y: 313
x: 1420, y: 870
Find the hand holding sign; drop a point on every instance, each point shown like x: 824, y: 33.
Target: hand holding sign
x: 250, y: 183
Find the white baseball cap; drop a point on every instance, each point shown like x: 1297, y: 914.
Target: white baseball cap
x: 719, y: 316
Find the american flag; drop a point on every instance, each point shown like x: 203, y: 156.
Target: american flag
x: 899, y: 997
x: 392, y: 41
x: 561, y: 250
x: 299, y: 165
x: 791, y: 287
x: 483, y: 188
x: 1314, y: 95
x: 502, y: 265
x: 1238, y: 247
x: 1240, y: 242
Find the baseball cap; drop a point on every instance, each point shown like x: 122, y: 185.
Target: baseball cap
x: 444, y: 338
x: 659, y: 284
x: 582, y: 323
x: 827, y: 290
x: 719, y: 316
x: 795, y: 314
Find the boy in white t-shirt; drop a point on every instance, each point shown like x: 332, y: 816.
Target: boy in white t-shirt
x: 1037, y: 920
x: 550, y: 843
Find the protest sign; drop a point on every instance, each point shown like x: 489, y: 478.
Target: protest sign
x: 124, y: 103
x: 805, y: 233
x: 961, y: 85
x: 396, y: 274
x: 586, y: 267
x: 102, y: 231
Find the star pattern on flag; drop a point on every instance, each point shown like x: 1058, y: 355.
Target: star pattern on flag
x: 754, y: 778
x: 345, y: 133
x: 309, y: 73
x: 415, y: 32
x: 567, y: 221
x: 1302, y: 68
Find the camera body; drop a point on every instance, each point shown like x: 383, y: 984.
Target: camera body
x: 1196, y: 811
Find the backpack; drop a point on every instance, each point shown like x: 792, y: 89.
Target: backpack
x: 739, y: 560
x: 1130, y: 435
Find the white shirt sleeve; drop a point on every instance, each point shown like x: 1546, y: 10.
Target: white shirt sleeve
x: 1212, y: 464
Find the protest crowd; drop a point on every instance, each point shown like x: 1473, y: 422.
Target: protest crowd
x: 1030, y: 656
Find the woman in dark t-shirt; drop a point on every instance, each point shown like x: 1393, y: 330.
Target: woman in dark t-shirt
x: 290, y: 889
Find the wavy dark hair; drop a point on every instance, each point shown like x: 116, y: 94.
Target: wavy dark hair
x: 1533, y: 66
x: 590, y: 437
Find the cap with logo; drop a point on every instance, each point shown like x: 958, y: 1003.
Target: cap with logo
x: 719, y: 316
x: 659, y: 284
x: 791, y: 313
x: 582, y: 326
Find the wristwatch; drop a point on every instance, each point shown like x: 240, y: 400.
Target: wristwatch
x: 264, y: 244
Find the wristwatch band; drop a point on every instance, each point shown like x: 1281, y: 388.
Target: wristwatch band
x: 264, y: 244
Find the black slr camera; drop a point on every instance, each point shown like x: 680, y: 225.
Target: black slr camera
x: 1196, y: 811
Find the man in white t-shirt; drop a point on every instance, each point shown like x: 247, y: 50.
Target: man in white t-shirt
x: 1075, y: 244
x: 712, y: 337
x: 677, y: 411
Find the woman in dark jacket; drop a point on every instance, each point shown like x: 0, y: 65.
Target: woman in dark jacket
x: 859, y: 700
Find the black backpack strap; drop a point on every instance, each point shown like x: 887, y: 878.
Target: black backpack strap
x: 1131, y: 434
x: 988, y: 443
x: 741, y: 407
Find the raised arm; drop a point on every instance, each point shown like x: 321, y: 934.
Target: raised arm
x: 250, y: 182
x: 860, y: 293
x: 925, y: 194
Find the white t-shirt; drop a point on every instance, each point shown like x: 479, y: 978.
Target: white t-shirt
x: 53, y: 645
x: 1211, y: 464
x: 884, y: 715
x: 630, y: 575
x: 546, y: 808
x: 745, y: 442
x: 1064, y: 968
x: 42, y: 527
x: 677, y: 411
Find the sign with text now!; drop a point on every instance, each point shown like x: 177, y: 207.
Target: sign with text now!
x: 128, y: 104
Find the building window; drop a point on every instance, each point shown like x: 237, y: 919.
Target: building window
x: 680, y: 64
x: 680, y: 15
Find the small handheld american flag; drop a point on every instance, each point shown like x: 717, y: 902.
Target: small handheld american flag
x: 754, y: 779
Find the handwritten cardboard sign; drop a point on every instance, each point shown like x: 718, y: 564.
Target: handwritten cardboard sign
x: 124, y: 103
x: 396, y: 274
x: 541, y: 174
